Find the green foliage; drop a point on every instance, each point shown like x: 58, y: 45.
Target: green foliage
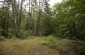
x: 81, y: 48
x: 6, y: 23
x: 47, y: 26
x: 65, y: 19
x: 50, y: 40
x: 55, y: 42
x: 65, y: 46
x: 4, y: 15
x: 69, y: 16
x: 23, y: 34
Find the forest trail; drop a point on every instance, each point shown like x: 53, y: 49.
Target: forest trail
x: 29, y: 46
x: 36, y: 50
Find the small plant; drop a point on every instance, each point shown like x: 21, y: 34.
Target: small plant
x: 23, y: 34
x: 50, y: 40
x: 2, y: 38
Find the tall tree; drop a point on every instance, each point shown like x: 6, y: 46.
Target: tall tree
x: 6, y: 6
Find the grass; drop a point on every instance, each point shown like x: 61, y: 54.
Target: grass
x: 46, y: 46
x: 24, y: 46
x: 65, y: 46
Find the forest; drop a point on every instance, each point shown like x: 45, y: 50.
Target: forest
x: 34, y: 27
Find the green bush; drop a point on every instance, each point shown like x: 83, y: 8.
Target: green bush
x: 65, y: 46
x: 23, y: 34
x: 51, y: 41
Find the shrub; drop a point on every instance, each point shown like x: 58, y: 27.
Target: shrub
x: 23, y: 34
x: 2, y: 38
x: 50, y: 40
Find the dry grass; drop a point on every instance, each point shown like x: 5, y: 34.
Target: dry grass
x: 25, y: 47
x: 33, y: 44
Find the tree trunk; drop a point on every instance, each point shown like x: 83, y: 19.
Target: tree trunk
x: 39, y: 19
x: 15, y: 19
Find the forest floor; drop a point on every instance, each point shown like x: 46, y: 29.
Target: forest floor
x: 33, y: 46
x: 30, y: 46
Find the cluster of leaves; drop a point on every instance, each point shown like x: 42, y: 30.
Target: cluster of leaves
x: 50, y: 40
x: 67, y: 20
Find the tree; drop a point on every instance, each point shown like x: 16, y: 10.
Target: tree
x: 69, y: 13
x: 4, y: 17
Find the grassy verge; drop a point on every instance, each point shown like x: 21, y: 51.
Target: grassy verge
x: 65, y: 46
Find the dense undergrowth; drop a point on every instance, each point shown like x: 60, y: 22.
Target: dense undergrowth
x: 65, y: 46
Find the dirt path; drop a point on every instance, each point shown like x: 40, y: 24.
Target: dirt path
x: 36, y: 51
x: 30, y: 46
